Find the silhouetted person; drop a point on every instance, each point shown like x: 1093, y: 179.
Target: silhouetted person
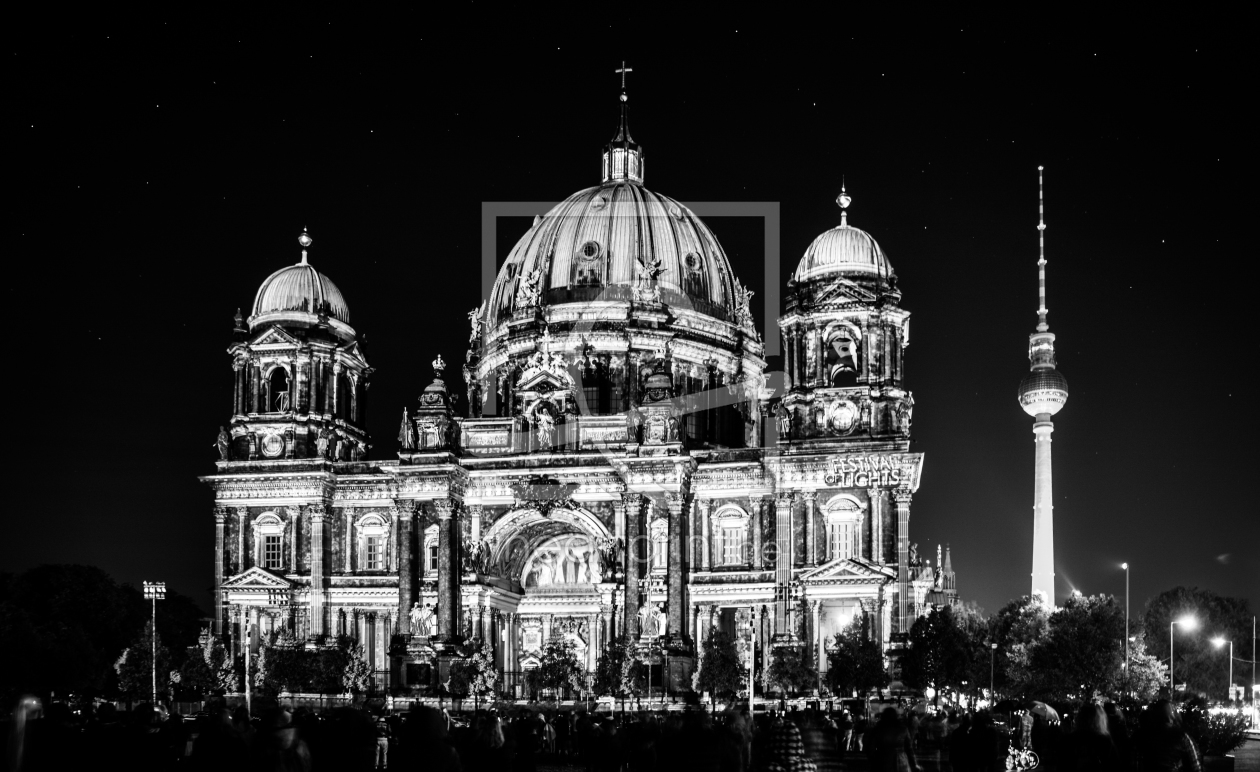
x: 1089, y: 747
x: 959, y: 742
x: 985, y: 752
x: 889, y: 746
x: 1162, y: 745
x: 426, y: 744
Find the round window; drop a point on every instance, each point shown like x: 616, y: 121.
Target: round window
x: 693, y: 261
x: 511, y: 271
x: 589, y: 251
x: 598, y: 203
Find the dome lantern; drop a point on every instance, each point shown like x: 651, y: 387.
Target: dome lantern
x: 623, y: 157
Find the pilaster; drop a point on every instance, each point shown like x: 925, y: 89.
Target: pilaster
x: 403, y: 515
x: 316, y: 512
x: 448, y: 566
x: 678, y: 569
x: 901, y: 503
x: 633, y: 503
x: 220, y: 518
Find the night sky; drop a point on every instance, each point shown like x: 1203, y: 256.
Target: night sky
x: 160, y: 168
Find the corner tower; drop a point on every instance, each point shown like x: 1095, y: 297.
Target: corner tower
x: 300, y: 377
x: 1042, y: 394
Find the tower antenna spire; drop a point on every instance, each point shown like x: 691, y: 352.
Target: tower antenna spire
x: 1042, y: 325
x: 843, y: 200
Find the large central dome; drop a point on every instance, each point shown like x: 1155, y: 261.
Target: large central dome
x: 597, y: 244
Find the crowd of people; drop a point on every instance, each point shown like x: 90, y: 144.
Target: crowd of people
x: 1096, y: 739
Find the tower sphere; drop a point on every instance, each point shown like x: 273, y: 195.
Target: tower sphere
x: 1043, y: 392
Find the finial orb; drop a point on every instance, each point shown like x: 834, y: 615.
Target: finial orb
x: 844, y: 199
x: 624, y: 98
x: 305, y: 240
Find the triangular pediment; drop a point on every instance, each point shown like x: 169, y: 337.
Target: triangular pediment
x: 543, y: 381
x: 844, y: 291
x: 257, y: 579
x: 275, y: 336
x: 848, y: 568
x: 353, y: 350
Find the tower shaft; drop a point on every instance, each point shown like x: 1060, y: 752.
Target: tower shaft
x: 1043, y: 515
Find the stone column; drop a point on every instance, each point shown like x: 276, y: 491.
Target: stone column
x: 811, y: 527
x: 789, y: 349
x: 448, y: 565
x: 403, y: 516
x: 815, y: 632
x: 901, y: 502
x: 633, y: 503
x: 819, y: 378
x: 316, y: 514
x: 706, y: 534
x: 255, y: 373
x: 292, y: 514
x: 782, y: 561
x: 220, y: 517
x: 337, y: 396
x: 347, y: 539
x: 677, y: 571
x: 759, y: 516
x: 241, y: 562
x: 876, y: 550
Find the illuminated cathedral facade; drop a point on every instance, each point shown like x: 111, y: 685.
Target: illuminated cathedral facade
x: 621, y: 468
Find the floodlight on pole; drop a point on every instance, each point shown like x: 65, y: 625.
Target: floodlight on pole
x: 1218, y: 642
x: 992, y: 656
x: 1188, y: 623
x: 1125, y: 566
x: 154, y: 592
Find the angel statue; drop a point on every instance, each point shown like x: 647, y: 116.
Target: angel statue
x: 546, y: 427
x: 224, y: 444
x: 530, y: 291
x: 407, y: 433
x: 474, y: 319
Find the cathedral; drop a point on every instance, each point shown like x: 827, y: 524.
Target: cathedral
x: 620, y: 469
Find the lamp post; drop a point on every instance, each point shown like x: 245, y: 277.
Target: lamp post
x: 992, y: 656
x: 1187, y: 623
x: 154, y: 592
x: 1125, y: 566
x: 1218, y: 642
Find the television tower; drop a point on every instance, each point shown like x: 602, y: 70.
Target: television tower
x: 1042, y: 393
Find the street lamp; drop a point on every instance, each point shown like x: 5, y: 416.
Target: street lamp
x: 154, y: 591
x: 1218, y: 642
x: 992, y: 655
x: 1188, y: 623
x: 1125, y: 566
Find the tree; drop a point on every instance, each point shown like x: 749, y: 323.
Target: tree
x: 855, y: 663
x: 1147, y: 675
x: 67, y: 624
x: 475, y: 676
x: 789, y: 672
x: 558, y: 667
x: 1083, y: 652
x: 1199, y: 665
x: 284, y: 665
x: 357, y: 673
x: 720, y: 671
x: 135, y: 666
x: 208, y: 669
x: 618, y: 672
x: 938, y: 656
x: 1015, y: 628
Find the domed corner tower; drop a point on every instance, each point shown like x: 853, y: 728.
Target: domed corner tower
x: 844, y: 334
x: 617, y: 311
x: 1042, y: 393
x: 301, y: 377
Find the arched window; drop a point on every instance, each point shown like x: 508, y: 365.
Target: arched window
x: 588, y: 265
x: 841, y: 351
x: 731, y: 529
x: 269, y: 541
x: 373, y: 540
x: 694, y: 280
x: 278, y: 390
x: 430, y: 554
x: 345, y: 397
x: 842, y: 517
x: 660, y: 544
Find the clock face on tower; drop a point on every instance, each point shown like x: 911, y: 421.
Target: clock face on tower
x: 272, y: 445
